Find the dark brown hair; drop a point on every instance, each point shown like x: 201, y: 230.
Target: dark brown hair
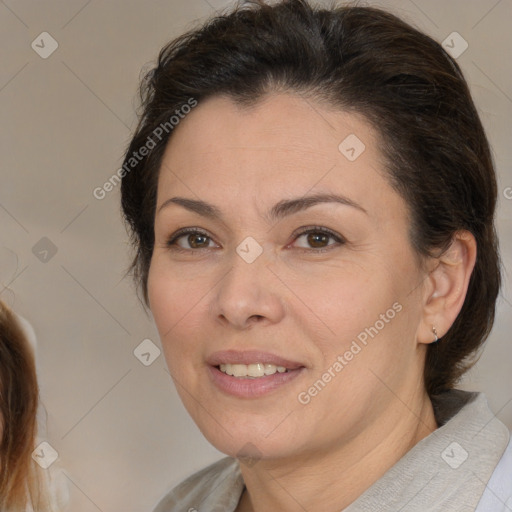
x: 359, y: 59
x: 21, y: 481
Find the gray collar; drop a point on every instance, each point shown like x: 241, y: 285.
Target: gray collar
x: 448, y: 470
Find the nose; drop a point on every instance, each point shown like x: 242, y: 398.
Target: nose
x: 248, y: 294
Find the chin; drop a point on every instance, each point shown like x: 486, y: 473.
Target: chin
x: 253, y: 442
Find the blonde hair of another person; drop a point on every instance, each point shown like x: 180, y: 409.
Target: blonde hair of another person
x: 23, y: 484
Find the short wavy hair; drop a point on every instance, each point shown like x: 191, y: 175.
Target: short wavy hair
x: 363, y: 60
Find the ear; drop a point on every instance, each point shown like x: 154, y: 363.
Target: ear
x: 446, y: 286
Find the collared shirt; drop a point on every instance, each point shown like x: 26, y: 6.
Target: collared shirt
x: 463, y: 466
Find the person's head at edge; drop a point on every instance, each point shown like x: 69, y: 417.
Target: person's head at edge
x: 21, y: 482
x: 295, y: 80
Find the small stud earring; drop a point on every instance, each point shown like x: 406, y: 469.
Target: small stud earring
x: 434, y: 330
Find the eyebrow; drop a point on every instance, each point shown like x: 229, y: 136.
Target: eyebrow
x: 278, y: 211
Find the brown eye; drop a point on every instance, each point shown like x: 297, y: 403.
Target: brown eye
x: 190, y: 239
x: 198, y: 241
x: 318, y: 238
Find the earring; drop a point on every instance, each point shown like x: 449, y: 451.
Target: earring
x: 434, y: 330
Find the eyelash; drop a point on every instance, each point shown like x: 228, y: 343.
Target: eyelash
x: 171, y: 242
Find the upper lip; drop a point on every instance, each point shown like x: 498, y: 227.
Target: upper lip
x: 250, y: 357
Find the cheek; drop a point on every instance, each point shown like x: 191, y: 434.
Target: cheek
x: 178, y: 306
x: 341, y: 300
x: 361, y: 310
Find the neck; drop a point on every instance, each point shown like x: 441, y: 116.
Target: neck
x: 333, y: 479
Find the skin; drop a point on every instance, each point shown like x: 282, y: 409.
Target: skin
x: 302, y: 305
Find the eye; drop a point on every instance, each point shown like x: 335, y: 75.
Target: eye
x: 188, y: 239
x: 317, y: 238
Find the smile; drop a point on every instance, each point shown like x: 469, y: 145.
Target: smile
x: 251, y: 371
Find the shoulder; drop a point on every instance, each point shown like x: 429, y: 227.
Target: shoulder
x: 215, y: 488
x: 497, y: 496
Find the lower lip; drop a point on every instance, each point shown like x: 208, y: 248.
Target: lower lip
x: 251, y: 388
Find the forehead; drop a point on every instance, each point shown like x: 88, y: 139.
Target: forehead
x: 277, y: 123
x: 285, y: 145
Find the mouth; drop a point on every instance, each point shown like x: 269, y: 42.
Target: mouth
x: 251, y: 374
x: 251, y: 371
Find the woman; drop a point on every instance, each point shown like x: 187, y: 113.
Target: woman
x: 22, y: 484
x: 311, y: 195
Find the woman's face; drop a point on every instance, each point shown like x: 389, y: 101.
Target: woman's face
x: 340, y: 306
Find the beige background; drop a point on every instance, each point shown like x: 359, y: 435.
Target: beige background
x: 121, y: 433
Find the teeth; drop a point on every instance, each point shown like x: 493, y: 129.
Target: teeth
x: 251, y: 370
